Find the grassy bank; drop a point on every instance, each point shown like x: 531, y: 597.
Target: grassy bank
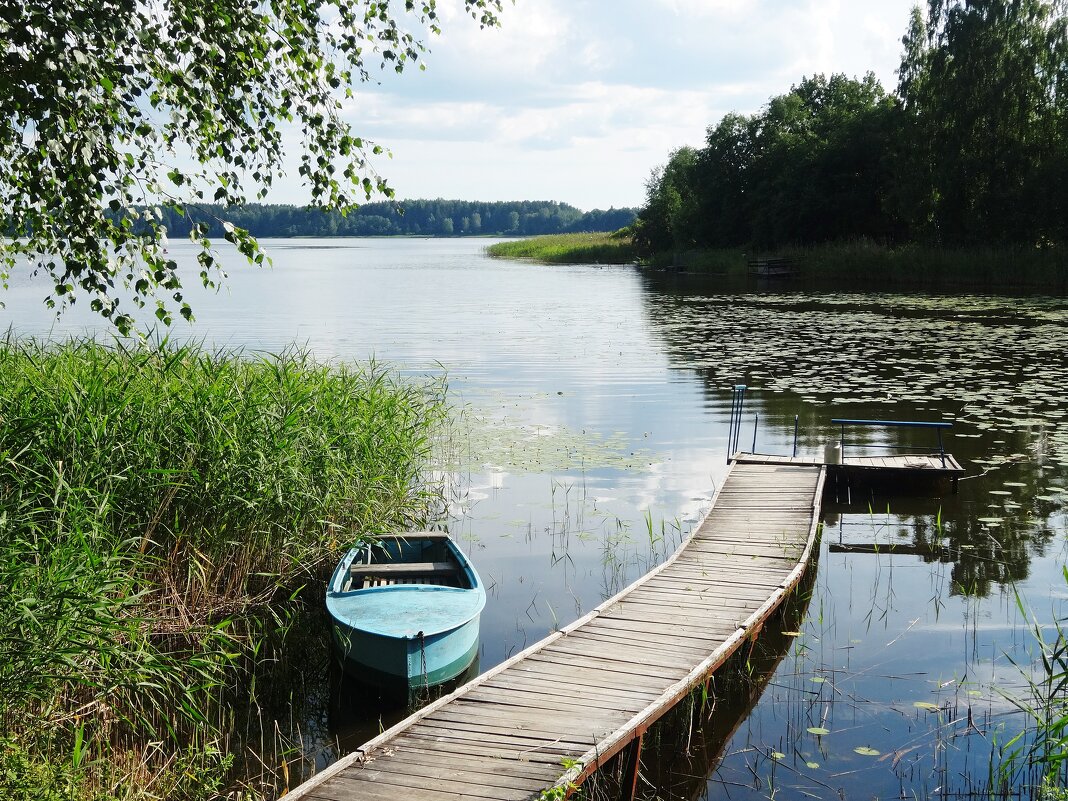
x: 158, y: 509
x: 599, y: 248
x: 864, y: 264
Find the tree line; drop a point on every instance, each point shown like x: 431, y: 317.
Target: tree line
x: 406, y: 218
x: 970, y: 150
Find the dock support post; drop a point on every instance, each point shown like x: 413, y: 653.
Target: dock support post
x: 631, y: 761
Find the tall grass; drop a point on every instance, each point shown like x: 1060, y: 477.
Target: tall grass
x: 596, y: 248
x: 156, y: 505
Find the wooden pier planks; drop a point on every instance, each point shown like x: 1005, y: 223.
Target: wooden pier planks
x: 587, y: 691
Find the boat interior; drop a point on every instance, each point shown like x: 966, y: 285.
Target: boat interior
x: 425, y: 558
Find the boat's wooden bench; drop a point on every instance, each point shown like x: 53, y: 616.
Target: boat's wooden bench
x: 378, y: 575
x: 397, y: 568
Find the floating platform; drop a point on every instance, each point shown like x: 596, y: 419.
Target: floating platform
x: 933, y: 463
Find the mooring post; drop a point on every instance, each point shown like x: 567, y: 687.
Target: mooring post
x: 756, y: 419
x: 795, y: 435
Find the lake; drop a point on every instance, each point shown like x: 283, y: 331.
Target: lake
x: 590, y: 432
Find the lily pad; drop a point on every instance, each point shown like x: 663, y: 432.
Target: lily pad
x: 926, y: 705
x: 818, y: 730
x: 865, y: 751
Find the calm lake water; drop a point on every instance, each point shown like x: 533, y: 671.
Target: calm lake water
x: 591, y: 431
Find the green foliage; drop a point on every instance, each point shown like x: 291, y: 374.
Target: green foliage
x: 103, y: 102
x: 409, y: 218
x: 1043, y: 747
x: 984, y: 85
x: 183, y: 448
x: 668, y: 219
x: 973, y: 150
x: 23, y: 779
x: 569, y: 249
x: 156, y: 503
x: 808, y: 168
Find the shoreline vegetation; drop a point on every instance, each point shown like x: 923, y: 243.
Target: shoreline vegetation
x: 590, y: 248
x: 859, y: 264
x: 415, y: 218
x: 163, y: 509
x: 957, y: 175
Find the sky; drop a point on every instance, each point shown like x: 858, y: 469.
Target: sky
x: 579, y: 100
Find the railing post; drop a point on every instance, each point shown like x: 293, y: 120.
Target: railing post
x: 756, y: 419
x: 941, y: 447
x: 734, y: 430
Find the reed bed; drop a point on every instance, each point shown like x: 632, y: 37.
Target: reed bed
x: 159, y: 507
x: 595, y: 248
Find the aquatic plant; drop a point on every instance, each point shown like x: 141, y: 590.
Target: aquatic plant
x: 159, y: 509
x: 598, y: 248
x: 1039, y: 753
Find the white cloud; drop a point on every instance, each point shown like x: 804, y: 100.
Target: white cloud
x: 577, y: 101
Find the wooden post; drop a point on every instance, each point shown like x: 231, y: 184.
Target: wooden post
x: 631, y: 762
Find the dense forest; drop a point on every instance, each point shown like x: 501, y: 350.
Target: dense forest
x: 970, y: 151
x: 405, y: 218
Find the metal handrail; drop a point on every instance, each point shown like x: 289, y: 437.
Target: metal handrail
x: 938, y: 426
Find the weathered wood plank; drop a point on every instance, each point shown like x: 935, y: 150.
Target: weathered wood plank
x: 551, y: 668
x: 460, y: 750
x: 537, y: 771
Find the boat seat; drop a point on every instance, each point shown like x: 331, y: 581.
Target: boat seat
x: 441, y: 574
x: 403, y: 568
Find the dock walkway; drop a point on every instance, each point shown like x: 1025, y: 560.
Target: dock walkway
x: 553, y: 713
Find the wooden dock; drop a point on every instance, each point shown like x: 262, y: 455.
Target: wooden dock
x: 553, y: 713
x: 773, y: 267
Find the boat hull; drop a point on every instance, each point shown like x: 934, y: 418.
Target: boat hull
x: 406, y: 663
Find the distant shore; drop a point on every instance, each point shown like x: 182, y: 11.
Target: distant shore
x: 854, y: 264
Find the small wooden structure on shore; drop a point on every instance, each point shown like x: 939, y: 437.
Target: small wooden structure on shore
x: 773, y: 267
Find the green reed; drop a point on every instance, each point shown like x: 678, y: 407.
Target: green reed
x: 595, y: 248
x: 158, y: 508
x: 1037, y: 757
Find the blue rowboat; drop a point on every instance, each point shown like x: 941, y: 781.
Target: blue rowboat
x: 405, y: 610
